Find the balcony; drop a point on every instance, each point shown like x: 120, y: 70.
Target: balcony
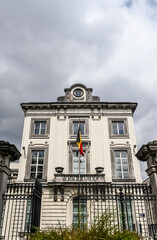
x: 60, y: 177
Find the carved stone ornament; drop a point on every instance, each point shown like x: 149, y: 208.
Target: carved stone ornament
x: 2, y: 160
x: 155, y: 159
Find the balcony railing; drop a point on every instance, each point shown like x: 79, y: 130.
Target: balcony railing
x: 79, y: 178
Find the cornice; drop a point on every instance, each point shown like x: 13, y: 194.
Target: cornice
x: 67, y: 105
x: 5, y: 169
x: 147, y: 150
x: 152, y: 169
x: 9, y: 149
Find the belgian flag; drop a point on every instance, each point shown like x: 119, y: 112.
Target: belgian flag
x: 79, y: 141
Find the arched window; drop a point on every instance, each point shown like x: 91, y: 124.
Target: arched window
x: 79, y: 212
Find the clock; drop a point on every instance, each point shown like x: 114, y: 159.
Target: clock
x: 78, y: 92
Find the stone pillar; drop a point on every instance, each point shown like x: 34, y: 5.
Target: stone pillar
x: 8, y: 152
x: 148, y: 153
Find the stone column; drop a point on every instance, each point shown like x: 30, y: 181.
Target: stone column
x: 8, y: 152
x: 148, y: 153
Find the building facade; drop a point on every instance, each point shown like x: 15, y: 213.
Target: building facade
x: 69, y: 185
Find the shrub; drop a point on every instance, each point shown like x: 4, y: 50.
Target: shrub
x: 101, y: 229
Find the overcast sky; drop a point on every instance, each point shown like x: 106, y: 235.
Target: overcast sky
x: 48, y: 45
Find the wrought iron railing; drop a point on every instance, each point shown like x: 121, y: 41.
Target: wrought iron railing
x: 18, y: 218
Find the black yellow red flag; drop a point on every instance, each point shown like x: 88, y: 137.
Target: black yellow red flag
x: 79, y: 142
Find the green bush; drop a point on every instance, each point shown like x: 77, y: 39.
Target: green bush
x: 101, y: 229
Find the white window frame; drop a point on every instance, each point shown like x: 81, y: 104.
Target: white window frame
x: 118, y: 127
x: 118, y: 134
x: 76, y: 163
x: 39, y: 135
x: 121, y: 159
x: 40, y: 127
x: 73, y: 134
x: 128, y: 150
x: 37, y: 164
x: 79, y: 123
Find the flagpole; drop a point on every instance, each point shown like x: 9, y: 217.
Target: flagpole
x: 79, y: 165
x: 79, y: 156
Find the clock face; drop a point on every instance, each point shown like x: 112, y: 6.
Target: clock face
x: 78, y: 93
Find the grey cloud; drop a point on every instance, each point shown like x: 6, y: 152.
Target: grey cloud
x: 48, y: 45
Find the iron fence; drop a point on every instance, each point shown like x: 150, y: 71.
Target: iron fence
x: 21, y: 210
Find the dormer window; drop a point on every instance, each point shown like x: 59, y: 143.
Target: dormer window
x: 78, y: 92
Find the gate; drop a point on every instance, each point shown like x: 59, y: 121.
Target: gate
x: 21, y: 210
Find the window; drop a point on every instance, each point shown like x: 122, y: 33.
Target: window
x: 76, y: 163
x: 118, y: 127
x: 76, y: 126
x: 78, y: 92
x: 28, y: 216
x: 37, y: 162
x: 79, y: 212
x: 126, y: 215
x: 74, y: 158
x: 39, y: 127
x: 121, y: 165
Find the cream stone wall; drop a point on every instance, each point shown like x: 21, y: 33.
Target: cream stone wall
x: 58, y: 153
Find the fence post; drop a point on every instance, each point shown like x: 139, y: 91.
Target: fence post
x: 122, y: 209
x: 8, y: 152
x: 148, y: 153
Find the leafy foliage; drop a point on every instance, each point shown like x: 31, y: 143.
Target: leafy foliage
x: 101, y: 229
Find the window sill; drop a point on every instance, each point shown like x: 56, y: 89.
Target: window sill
x: 119, y: 136
x: 39, y: 136
x: 82, y: 136
x: 123, y: 180
x: 33, y: 180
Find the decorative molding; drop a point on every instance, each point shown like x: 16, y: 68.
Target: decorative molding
x: 123, y: 180
x: 10, y: 150
x: 147, y: 150
x: 5, y: 169
x: 110, y: 114
x: 152, y: 169
x: 2, y: 160
x: 34, y: 114
x: 68, y: 105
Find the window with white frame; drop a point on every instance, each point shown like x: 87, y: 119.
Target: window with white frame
x: 40, y: 127
x: 118, y: 127
x: 76, y: 164
x: 79, y: 212
x: 37, y: 163
x: 76, y: 125
x: 121, y: 165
